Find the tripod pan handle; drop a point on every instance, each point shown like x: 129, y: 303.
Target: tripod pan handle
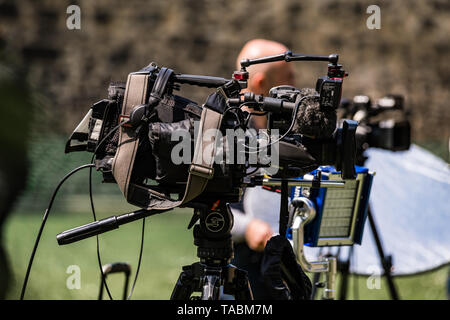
x: 87, y: 230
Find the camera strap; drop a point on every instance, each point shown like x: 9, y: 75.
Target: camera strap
x: 200, y: 171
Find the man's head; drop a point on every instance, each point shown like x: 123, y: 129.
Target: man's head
x: 267, y: 75
x: 263, y: 77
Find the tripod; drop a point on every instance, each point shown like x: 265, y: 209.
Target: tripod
x: 215, y: 249
x: 386, y: 263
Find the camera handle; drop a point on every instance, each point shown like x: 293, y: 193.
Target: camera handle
x: 335, y: 70
x: 101, y: 226
x: 302, y: 210
x: 288, y: 56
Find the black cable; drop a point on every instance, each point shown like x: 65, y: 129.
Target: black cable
x: 294, y: 115
x: 246, y: 120
x: 93, y: 208
x: 96, y: 237
x: 44, y: 220
x: 250, y: 114
x: 139, y: 260
x: 107, y: 135
x: 98, y: 246
x: 47, y: 212
x: 94, y: 216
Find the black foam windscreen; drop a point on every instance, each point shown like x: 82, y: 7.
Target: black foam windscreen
x: 312, y: 120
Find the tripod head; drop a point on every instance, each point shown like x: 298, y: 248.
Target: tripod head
x: 212, y: 235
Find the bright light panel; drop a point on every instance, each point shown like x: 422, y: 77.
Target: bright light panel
x: 338, y: 211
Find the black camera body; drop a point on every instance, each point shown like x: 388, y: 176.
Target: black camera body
x: 155, y: 127
x: 383, y: 124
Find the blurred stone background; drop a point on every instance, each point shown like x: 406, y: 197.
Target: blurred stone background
x: 72, y: 68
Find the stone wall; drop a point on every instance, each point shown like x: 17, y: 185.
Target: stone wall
x: 408, y: 55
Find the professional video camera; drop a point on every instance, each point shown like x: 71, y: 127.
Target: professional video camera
x: 383, y: 124
x: 133, y: 135
x: 155, y: 113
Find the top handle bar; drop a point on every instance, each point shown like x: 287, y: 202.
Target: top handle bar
x: 288, y: 56
x: 215, y: 82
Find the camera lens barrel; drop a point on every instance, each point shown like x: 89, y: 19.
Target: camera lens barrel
x: 277, y: 105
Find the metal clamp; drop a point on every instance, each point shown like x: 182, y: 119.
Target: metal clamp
x: 304, y: 212
x: 201, y: 171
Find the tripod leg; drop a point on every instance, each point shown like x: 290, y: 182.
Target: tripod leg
x: 236, y: 283
x: 211, y: 288
x: 386, y: 263
x: 184, y: 286
x: 242, y: 286
x: 243, y: 290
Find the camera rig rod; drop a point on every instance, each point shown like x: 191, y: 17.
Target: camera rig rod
x: 302, y: 183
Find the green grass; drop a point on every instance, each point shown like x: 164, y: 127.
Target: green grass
x: 427, y: 286
x: 168, y: 246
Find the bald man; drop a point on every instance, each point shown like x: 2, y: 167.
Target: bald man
x: 252, y: 231
x: 263, y: 77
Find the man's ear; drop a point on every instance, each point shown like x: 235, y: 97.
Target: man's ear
x: 259, y: 83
